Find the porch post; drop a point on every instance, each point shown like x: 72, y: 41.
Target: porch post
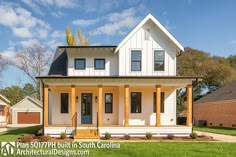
x: 158, y: 105
x: 72, y: 105
x: 45, y: 112
x: 189, y: 105
x: 126, y: 107
x: 100, y: 89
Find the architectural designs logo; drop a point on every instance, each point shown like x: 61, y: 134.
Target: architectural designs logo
x: 7, y: 148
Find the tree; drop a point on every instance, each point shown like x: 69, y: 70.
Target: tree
x: 28, y: 89
x: 72, y: 40
x: 83, y: 42
x: 33, y: 61
x: 14, y: 94
x: 232, y: 61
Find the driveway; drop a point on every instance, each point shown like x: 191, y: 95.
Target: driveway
x: 15, y: 126
x: 218, y: 137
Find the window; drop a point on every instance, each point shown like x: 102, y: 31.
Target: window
x: 147, y: 34
x: 136, y: 60
x: 108, y: 102
x: 159, y: 57
x: 99, y: 64
x: 80, y: 63
x: 136, y: 102
x: 162, y: 102
x: 64, y: 103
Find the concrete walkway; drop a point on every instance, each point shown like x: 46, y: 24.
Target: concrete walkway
x: 14, y: 127
x: 218, y: 137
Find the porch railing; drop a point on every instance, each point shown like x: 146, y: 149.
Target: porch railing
x: 97, y: 122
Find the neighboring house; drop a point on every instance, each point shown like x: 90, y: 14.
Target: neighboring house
x: 217, y: 108
x: 124, y: 89
x: 27, y: 111
x: 4, y: 110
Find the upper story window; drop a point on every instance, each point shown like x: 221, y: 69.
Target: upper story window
x: 99, y: 64
x: 147, y: 34
x: 80, y: 63
x: 159, y: 60
x: 136, y: 62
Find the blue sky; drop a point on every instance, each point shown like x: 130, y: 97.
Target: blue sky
x: 208, y: 25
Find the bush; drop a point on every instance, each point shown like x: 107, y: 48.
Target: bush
x: 149, y: 135
x: 170, y: 136
x: 63, y: 135
x: 26, y: 138
x: 126, y: 136
x: 107, y: 136
x: 193, y: 135
x: 39, y: 132
x: 45, y: 138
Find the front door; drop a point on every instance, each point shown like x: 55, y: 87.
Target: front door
x: 86, y: 108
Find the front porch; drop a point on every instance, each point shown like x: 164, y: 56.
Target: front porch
x: 90, y: 109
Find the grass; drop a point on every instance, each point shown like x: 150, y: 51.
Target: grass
x: 217, y: 130
x: 12, y: 135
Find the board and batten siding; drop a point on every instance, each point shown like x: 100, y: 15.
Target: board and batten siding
x: 111, y: 63
x: 157, y: 41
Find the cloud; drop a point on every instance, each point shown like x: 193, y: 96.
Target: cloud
x: 233, y: 42
x: 57, y: 14
x: 58, y: 34
x: 84, y: 22
x: 35, y: 7
x: 59, y: 3
x: 52, y: 44
x: 118, y: 23
x: 92, y: 6
x: 21, y: 22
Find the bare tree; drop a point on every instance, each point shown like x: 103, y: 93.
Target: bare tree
x: 3, y: 63
x: 33, y: 61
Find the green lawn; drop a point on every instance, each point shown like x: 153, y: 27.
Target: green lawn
x: 149, y: 149
x: 14, y: 134
x: 217, y: 129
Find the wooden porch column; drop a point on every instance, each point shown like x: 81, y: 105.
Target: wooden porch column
x: 45, y: 108
x: 158, y: 105
x: 5, y: 111
x: 72, y: 105
x: 100, y: 89
x: 189, y: 91
x: 126, y: 106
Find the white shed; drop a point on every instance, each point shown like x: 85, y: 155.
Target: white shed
x: 27, y: 111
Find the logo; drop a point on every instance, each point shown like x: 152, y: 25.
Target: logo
x: 7, y: 148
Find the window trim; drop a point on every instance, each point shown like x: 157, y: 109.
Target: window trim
x: 109, y: 103
x: 67, y: 103
x: 136, y: 60
x: 80, y: 59
x: 99, y: 59
x: 159, y: 50
x: 131, y: 102
x: 162, y: 102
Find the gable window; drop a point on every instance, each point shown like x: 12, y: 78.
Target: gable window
x: 136, y: 60
x: 147, y: 34
x: 64, y: 103
x: 108, y: 103
x: 162, y: 102
x: 159, y: 60
x: 80, y: 63
x: 99, y: 64
x: 136, y: 102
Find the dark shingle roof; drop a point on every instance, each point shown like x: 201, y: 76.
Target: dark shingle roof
x: 227, y: 92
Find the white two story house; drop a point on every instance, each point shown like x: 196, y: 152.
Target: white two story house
x: 124, y: 89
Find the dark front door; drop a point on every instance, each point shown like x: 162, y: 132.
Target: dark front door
x: 86, y: 108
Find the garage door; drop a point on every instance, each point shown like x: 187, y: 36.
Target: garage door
x: 28, y: 117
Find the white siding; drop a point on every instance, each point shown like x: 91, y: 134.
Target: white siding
x: 111, y: 63
x: 158, y: 41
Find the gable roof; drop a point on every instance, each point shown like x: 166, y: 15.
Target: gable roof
x: 227, y: 92
x: 158, y: 24
x: 3, y: 98
x: 36, y: 101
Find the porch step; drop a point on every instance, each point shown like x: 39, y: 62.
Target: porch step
x: 86, y: 134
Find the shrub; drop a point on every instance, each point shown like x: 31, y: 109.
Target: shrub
x: 26, y: 138
x: 193, y: 135
x: 107, y: 136
x: 45, y: 138
x: 63, y: 135
x: 149, y: 135
x: 126, y: 136
x: 170, y: 136
x: 39, y: 132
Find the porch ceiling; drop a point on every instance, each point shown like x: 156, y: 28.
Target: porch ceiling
x: 176, y: 81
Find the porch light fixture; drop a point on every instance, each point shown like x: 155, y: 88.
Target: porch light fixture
x: 96, y: 99
x: 77, y: 99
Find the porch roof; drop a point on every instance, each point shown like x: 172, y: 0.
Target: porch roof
x: 179, y: 81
